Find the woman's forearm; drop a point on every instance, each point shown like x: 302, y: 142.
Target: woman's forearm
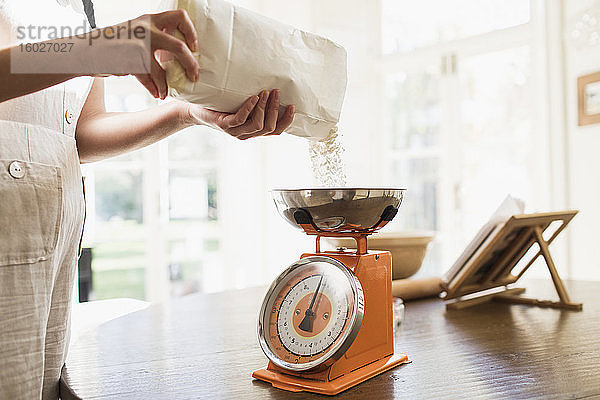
x: 15, y: 84
x: 30, y: 67
x: 123, y: 49
x: 108, y: 135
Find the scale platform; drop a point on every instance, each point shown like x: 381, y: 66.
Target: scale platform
x: 295, y: 384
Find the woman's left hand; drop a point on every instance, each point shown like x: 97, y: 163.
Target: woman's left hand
x: 258, y: 116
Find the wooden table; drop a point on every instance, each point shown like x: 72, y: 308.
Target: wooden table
x: 205, y: 347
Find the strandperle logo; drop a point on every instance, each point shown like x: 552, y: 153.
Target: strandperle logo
x: 43, y: 32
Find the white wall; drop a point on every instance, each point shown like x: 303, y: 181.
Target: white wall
x: 583, y: 153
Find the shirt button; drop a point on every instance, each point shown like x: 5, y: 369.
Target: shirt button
x: 69, y: 116
x: 16, y: 170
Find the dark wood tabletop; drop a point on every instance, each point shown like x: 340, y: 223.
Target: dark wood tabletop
x: 205, y: 347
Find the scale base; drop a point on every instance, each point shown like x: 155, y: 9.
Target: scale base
x: 296, y: 384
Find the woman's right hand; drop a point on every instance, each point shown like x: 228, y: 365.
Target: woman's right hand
x: 158, y: 39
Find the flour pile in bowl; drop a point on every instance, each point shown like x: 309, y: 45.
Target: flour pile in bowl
x: 326, y: 160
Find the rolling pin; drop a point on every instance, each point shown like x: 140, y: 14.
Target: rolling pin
x: 410, y: 289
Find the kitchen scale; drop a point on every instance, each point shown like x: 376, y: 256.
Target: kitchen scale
x: 326, y: 322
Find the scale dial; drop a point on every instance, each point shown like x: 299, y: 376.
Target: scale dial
x: 311, y: 314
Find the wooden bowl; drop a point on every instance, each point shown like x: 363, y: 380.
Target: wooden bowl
x: 408, y: 249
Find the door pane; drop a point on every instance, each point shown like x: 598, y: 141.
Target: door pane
x: 420, y: 208
x: 499, y: 154
x: 198, y: 144
x: 413, y: 109
x: 419, y: 211
x: 193, y: 234
x: 119, y: 259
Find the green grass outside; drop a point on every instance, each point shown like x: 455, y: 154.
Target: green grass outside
x: 114, y: 283
x: 119, y: 259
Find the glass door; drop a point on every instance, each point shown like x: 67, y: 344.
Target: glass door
x: 459, y: 116
x: 413, y: 123
x: 498, y: 150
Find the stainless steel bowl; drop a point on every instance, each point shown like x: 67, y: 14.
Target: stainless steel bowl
x: 338, y: 210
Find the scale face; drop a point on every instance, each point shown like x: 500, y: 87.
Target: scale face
x: 311, y: 314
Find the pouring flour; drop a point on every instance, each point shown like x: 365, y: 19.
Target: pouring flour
x: 242, y: 53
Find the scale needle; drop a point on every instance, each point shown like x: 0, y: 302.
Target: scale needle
x: 307, y: 322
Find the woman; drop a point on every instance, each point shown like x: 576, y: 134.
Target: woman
x: 49, y: 124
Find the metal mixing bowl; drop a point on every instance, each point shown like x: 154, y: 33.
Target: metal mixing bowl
x: 339, y: 210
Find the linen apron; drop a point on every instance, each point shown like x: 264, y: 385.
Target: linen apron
x: 41, y: 220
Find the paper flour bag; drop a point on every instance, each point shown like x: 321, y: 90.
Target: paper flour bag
x: 241, y: 53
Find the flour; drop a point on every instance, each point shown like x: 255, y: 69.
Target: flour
x: 326, y: 160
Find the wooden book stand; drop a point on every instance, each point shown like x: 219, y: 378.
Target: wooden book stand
x: 504, y: 257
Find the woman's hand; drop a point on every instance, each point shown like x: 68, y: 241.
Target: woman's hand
x: 258, y: 116
x: 158, y: 41
x: 101, y: 135
x: 160, y: 28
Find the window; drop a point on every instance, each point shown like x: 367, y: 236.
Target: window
x: 153, y: 218
x: 115, y: 208
x: 193, y: 234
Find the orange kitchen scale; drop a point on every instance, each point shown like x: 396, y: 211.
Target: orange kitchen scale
x: 326, y: 321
